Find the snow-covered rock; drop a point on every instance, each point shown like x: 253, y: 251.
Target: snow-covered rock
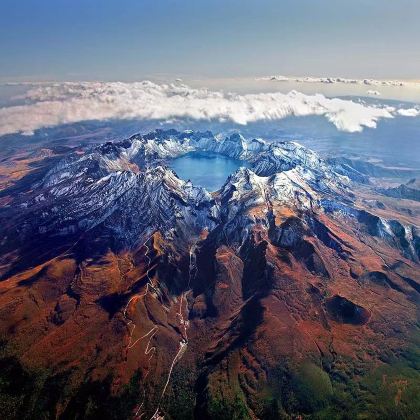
x: 127, y: 188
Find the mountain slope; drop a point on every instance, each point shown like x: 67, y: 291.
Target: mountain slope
x: 132, y: 293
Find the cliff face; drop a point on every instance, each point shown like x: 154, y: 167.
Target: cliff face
x: 127, y: 291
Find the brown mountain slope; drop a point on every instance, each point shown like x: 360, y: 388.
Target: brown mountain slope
x: 284, y: 323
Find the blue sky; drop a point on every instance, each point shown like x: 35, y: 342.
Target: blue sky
x: 135, y: 39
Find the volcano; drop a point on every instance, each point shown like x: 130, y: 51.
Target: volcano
x: 127, y: 292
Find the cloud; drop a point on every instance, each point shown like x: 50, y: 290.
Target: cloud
x: 334, y: 80
x: 373, y: 93
x: 411, y: 112
x: 49, y: 105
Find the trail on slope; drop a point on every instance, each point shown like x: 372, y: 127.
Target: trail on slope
x: 152, y: 332
x: 136, y: 297
x: 183, y: 322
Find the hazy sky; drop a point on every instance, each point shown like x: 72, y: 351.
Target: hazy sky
x: 136, y: 39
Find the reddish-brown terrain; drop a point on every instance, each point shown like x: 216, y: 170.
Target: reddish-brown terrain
x: 313, y: 314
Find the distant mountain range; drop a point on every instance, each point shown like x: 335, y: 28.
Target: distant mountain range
x: 129, y: 292
x: 409, y: 190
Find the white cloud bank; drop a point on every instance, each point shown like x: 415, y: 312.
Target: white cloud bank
x: 334, y: 80
x: 411, y: 112
x: 62, y: 103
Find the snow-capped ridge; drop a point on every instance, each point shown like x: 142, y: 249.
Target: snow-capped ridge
x: 127, y: 188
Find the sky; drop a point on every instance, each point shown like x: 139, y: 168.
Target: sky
x: 136, y: 39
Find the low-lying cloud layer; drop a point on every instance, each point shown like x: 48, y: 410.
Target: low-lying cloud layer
x: 333, y: 80
x: 410, y: 112
x: 63, y: 103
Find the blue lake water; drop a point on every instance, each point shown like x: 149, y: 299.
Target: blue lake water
x: 208, y: 170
